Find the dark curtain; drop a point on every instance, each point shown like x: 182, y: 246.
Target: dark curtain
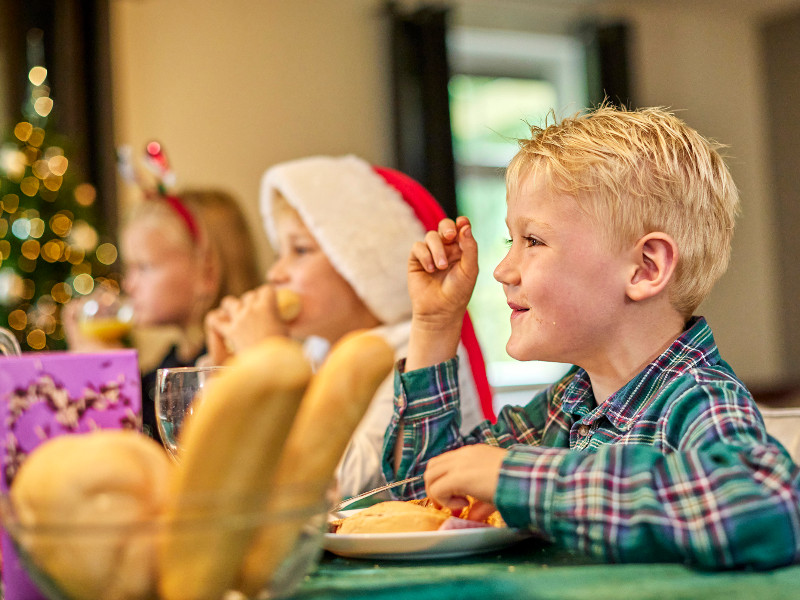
x: 607, y: 51
x: 420, y: 74
x: 76, y: 41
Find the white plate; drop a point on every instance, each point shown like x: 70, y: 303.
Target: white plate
x: 422, y: 544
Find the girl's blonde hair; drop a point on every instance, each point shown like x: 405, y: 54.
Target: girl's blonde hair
x: 639, y: 171
x: 223, y: 242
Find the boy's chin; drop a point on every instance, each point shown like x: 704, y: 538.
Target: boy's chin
x: 519, y: 353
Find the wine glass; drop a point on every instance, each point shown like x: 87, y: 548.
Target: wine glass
x: 178, y: 392
x: 106, y: 316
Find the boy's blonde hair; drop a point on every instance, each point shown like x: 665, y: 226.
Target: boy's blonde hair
x: 639, y: 171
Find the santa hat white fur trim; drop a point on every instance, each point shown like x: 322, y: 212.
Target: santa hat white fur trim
x: 360, y: 221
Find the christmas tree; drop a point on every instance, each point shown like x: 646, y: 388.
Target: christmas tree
x: 50, y: 249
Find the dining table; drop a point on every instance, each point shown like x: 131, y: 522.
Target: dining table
x: 535, y: 569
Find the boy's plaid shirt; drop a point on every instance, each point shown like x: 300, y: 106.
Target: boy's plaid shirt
x: 675, y: 466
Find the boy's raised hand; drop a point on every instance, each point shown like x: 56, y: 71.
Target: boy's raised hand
x: 442, y: 271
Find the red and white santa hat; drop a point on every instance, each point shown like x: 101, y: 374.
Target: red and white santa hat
x: 366, y: 219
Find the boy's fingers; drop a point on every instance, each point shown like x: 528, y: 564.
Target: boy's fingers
x: 462, y: 221
x: 437, y: 250
x: 469, y: 251
x: 422, y: 255
x: 447, y: 229
x: 480, y: 511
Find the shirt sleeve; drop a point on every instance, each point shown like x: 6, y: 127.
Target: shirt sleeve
x: 427, y: 405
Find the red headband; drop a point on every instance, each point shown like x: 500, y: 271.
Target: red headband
x: 159, y: 164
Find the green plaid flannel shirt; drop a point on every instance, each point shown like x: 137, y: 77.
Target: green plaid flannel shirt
x: 674, y: 466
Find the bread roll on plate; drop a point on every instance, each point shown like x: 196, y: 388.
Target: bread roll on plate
x: 394, y: 516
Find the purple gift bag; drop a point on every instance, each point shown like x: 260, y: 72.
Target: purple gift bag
x: 46, y: 395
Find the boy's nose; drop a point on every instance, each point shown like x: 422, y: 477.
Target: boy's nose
x: 505, y: 272
x: 276, y: 273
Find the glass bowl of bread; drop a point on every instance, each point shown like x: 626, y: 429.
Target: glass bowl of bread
x: 119, y: 533
x: 107, y: 514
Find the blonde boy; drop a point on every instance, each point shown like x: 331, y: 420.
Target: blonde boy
x: 649, y: 448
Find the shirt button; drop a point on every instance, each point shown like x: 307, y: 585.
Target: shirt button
x: 583, y: 430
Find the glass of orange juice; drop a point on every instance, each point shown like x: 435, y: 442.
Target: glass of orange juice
x: 107, y: 316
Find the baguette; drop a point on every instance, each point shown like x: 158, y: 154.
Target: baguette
x: 106, y: 479
x: 334, y: 404
x: 231, y: 444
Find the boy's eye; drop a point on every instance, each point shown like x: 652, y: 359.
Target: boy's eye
x: 302, y: 249
x: 529, y: 241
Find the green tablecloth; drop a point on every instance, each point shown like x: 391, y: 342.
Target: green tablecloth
x: 538, y: 571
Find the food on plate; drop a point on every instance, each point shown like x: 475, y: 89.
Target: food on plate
x: 397, y: 516
x: 336, y: 400
x: 231, y: 444
x: 109, y: 476
x: 394, y: 516
x: 288, y: 304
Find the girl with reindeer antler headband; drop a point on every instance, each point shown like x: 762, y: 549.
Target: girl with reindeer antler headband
x: 182, y: 252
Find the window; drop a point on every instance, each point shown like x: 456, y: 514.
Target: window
x: 501, y: 83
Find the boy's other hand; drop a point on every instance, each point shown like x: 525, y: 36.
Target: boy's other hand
x: 467, y: 471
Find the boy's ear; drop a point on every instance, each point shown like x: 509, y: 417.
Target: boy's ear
x: 655, y: 257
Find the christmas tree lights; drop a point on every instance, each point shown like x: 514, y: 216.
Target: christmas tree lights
x: 50, y: 249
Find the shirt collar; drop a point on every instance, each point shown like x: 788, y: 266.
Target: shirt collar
x: 694, y: 347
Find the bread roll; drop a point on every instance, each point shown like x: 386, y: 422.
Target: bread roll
x: 394, y: 516
x: 93, y: 484
x: 288, y: 304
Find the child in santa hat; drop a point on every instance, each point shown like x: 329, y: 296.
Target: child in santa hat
x: 343, y: 230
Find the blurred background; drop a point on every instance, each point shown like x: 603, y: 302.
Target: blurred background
x: 438, y: 90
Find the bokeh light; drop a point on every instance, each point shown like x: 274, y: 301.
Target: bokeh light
x: 58, y: 164
x: 36, y: 138
x: 83, y: 236
x: 53, y: 182
x: 23, y: 130
x: 83, y: 284
x: 17, y: 319
x: 61, y: 293
x: 21, y: 228
x: 106, y: 253
x: 37, y: 75
x: 37, y: 225
x: 10, y: 203
x: 85, y: 194
x: 43, y: 106
x: 30, y: 249
x: 29, y: 186
x: 28, y: 289
x: 53, y: 251
x: 61, y: 224
x: 37, y: 339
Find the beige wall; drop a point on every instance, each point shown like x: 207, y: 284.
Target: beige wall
x: 232, y: 87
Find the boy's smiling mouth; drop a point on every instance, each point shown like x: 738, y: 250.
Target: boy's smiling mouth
x: 516, y: 309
